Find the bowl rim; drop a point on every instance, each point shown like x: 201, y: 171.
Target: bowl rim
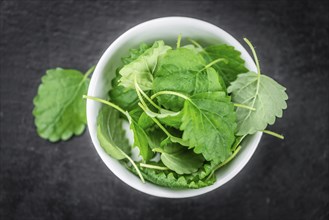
x: 92, y: 87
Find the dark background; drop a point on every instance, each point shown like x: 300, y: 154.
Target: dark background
x: 67, y: 180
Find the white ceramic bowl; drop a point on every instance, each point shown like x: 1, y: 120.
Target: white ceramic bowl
x: 166, y: 29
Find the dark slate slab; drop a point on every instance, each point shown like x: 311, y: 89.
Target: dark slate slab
x: 40, y: 180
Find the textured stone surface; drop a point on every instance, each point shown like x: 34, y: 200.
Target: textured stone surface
x: 67, y: 180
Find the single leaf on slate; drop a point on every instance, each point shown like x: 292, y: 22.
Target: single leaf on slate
x: 262, y: 93
x: 209, y: 124
x: 59, y: 109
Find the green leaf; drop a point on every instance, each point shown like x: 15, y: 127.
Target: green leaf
x: 59, y: 109
x: 135, y: 53
x: 141, y: 139
x: 156, y: 136
x: 125, y: 98
x: 110, y: 134
x: 179, y: 158
x: 184, y: 58
x: 195, y: 49
x: 145, y: 121
x: 262, y: 93
x: 232, y: 68
x: 163, y: 113
x: 143, y: 67
x: 209, y: 124
x: 182, y: 71
x: 172, y: 121
x: 172, y: 180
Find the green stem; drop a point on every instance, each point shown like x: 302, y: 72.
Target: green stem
x: 153, y: 166
x: 228, y: 159
x: 178, y: 41
x: 210, y: 174
x: 105, y: 102
x: 156, y: 121
x: 273, y: 134
x: 254, y: 54
x: 134, y: 165
x: 244, y: 106
x: 140, y: 91
x: 195, y: 43
x: 90, y: 71
x: 158, y: 150
x: 213, y: 63
x: 258, y: 71
x: 238, y: 141
x: 170, y: 93
x: 139, y: 94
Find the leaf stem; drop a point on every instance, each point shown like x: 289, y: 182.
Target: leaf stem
x: 139, y: 94
x: 140, y: 91
x: 214, y: 62
x: 158, y: 150
x: 156, y: 121
x: 178, y: 41
x: 153, y: 166
x: 134, y: 165
x: 228, y: 159
x: 170, y: 93
x: 244, y: 106
x: 238, y: 142
x: 195, y: 43
x: 210, y: 174
x: 105, y: 102
x: 258, y: 73
x: 273, y: 134
x: 90, y: 71
x: 254, y: 54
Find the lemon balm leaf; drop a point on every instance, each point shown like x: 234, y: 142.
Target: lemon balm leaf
x: 172, y: 180
x: 141, y: 139
x: 179, y: 158
x: 209, y: 124
x: 234, y: 65
x: 172, y: 121
x: 143, y: 67
x: 59, y: 110
x: 184, y: 71
x: 110, y: 134
x: 140, y: 136
x: 135, y: 53
x: 262, y: 93
x: 124, y: 97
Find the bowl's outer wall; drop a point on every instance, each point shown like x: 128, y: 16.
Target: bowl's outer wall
x: 166, y: 29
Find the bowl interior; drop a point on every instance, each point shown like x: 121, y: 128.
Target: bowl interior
x: 166, y: 29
